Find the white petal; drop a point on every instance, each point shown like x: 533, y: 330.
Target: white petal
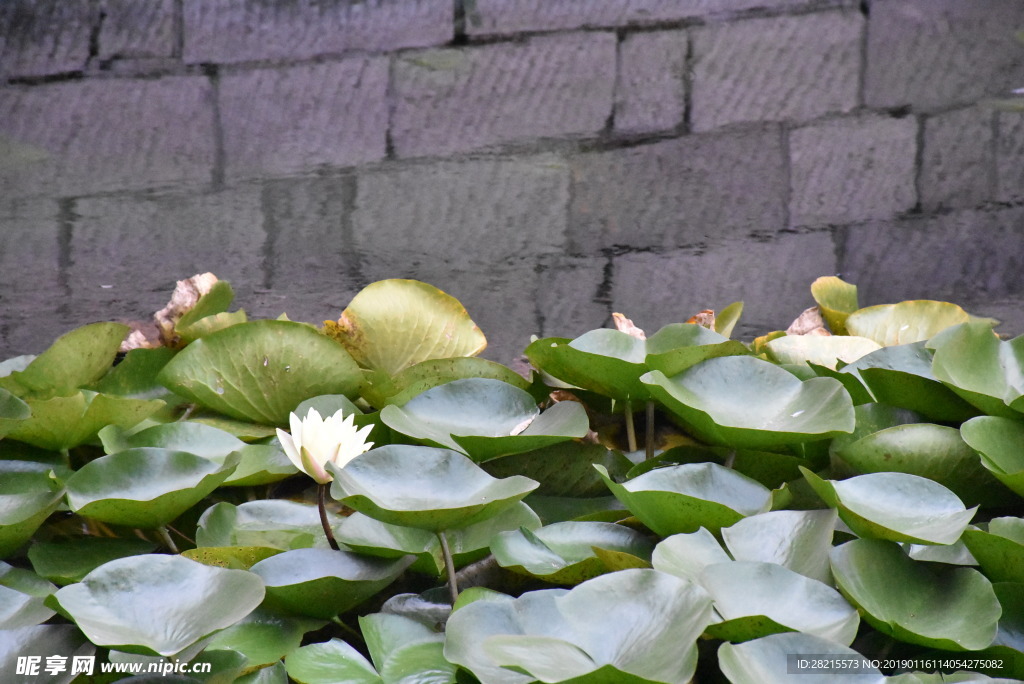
x: 289, y: 448
x: 314, y: 468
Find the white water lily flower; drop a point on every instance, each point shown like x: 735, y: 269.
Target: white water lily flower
x: 315, y: 441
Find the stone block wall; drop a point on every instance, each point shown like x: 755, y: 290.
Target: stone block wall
x: 545, y: 161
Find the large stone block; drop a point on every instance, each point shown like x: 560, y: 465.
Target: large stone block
x: 487, y: 17
x: 128, y: 251
x: 454, y: 100
x: 771, y: 277
x: 1010, y: 156
x: 932, y: 54
x: 134, y: 28
x: 103, y: 135
x: 853, y: 169
x: 44, y: 37
x: 957, y: 166
x: 228, y: 31
x: 650, y: 91
x: 301, y: 118
x: 679, y: 192
x: 466, y: 210
x: 974, y: 258
x: 570, y: 295
x: 779, y: 68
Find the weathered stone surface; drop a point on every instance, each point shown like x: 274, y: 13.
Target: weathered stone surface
x: 679, y: 192
x: 570, y: 295
x: 853, y: 169
x: 301, y: 118
x: 103, y: 135
x: 132, y: 28
x: 454, y: 100
x: 957, y: 167
x: 779, y: 68
x: 935, y: 53
x: 228, y: 31
x: 463, y: 211
x: 974, y: 258
x: 771, y: 277
x: 650, y: 91
x: 44, y: 37
x: 128, y: 251
x: 484, y: 17
x: 1010, y: 156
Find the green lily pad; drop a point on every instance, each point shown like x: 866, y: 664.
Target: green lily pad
x: 12, y: 411
x: 1000, y: 549
x: 895, y: 506
x: 906, y: 322
x: 63, y: 422
x: 744, y: 591
x: 42, y: 641
x: 145, y: 486
x: 985, y: 371
x: 21, y: 598
x: 216, y: 300
x: 936, y: 452
x: 263, y: 637
x: 424, y: 487
x: 997, y: 441
x: 605, y: 361
x: 233, y: 557
x: 678, y: 346
x: 74, y: 360
x: 210, y: 324
x: 270, y: 523
x: 825, y: 351
x: 485, y: 419
x: 592, y: 631
x: 405, y: 650
x: 743, y: 401
x: 260, y: 370
x: 329, y: 663
x: 727, y: 319
x: 776, y: 659
x: 565, y: 553
x: 836, y: 300
x: 797, y: 540
x: 382, y: 389
x: 321, y: 583
x: 552, y: 509
x: 902, y: 376
x: 26, y: 500
x: 563, y: 469
x: 687, y: 497
x: 686, y: 555
x: 363, y: 534
x: 394, y: 324
x: 69, y: 561
x: 939, y: 606
x: 158, y: 605
x: 769, y: 468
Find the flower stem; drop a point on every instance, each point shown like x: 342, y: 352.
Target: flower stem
x: 649, y: 438
x: 449, y: 566
x: 321, y: 497
x: 630, y: 428
x: 166, y: 536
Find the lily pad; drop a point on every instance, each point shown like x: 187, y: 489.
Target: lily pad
x: 797, y: 540
x: 744, y: 591
x: 263, y: 637
x: 405, y: 650
x: 12, y: 411
x: 67, y: 562
x: 836, y: 300
x: 906, y: 322
x: 26, y: 500
x: 321, y: 583
x: 383, y: 389
x: 939, y: 606
x: 42, y: 641
x: 63, y: 422
x: 260, y: 370
x: 630, y: 626
x: 678, y: 346
x: 776, y: 659
x: 74, y: 360
x: 895, y: 506
x: 999, y: 549
x: 363, y: 534
x: 997, y: 441
x: 158, y: 605
x: 981, y: 368
x: 566, y: 553
x: 744, y: 401
x: 686, y: 555
x: 563, y: 469
x: 330, y: 662
x: 21, y: 598
x: 687, y: 497
x: 825, y: 351
x: 145, y: 486
x: 270, y: 523
x: 485, y: 419
x: 936, y: 452
x: 394, y: 324
x: 605, y: 361
x: 424, y: 487
x: 233, y: 557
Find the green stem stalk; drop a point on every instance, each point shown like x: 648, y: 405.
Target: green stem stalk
x: 166, y: 536
x: 630, y: 428
x: 321, y: 502
x: 449, y: 566
x: 649, y: 438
